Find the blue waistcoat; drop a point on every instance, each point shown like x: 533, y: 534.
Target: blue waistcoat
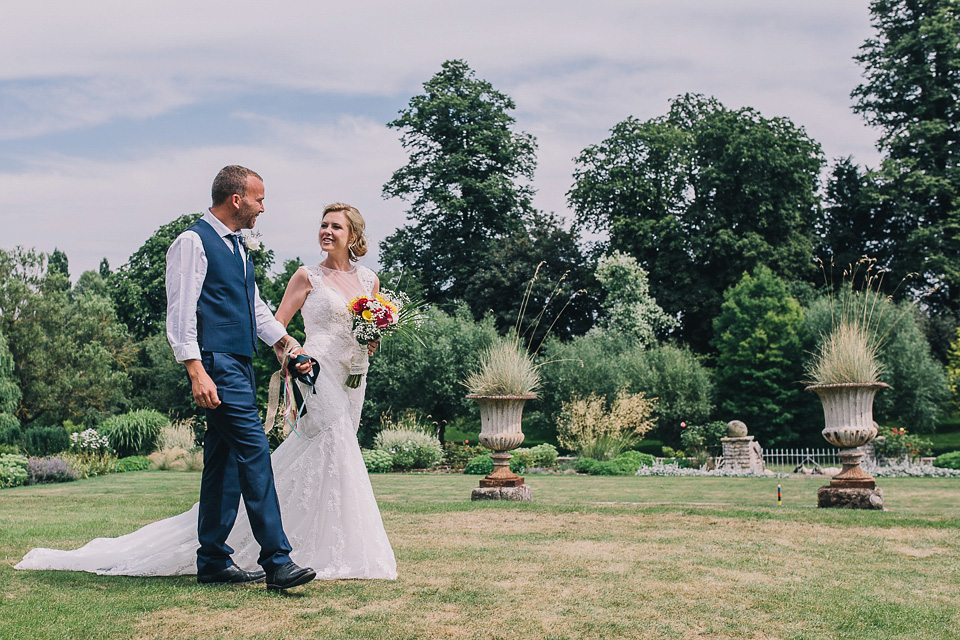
x: 226, y: 322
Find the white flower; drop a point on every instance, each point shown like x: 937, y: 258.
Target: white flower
x: 253, y: 242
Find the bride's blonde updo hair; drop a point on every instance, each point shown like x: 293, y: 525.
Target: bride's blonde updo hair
x: 357, y: 248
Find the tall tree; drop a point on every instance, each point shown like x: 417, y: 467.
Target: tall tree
x: 699, y: 196
x: 629, y: 308
x: 911, y: 93
x: 760, y: 342
x: 69, y: 351
x: 857, y: 222
x: 562, y: 289
x: 462, y: 181
x: 138, y: 287
x: 9, y: 391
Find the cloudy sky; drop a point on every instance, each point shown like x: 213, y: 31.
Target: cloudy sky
x: 116, y: 115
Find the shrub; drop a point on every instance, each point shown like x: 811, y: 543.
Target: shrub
x: 625, y: 464
x: 13, y: 470
x: 89, y: 442
x: 134, y: 433
x: 87, y: 465
x: 456, y: 455
x: 177, y: 459
x: 482, y: 465
x: 592, y: 429
x: 948, y: 460
x: 181, y: 435
x: 542, y: 455
x: 53, y: 469
x: 44, y: 441
x: 11, y: 435
x: 377, y: 460
x: 130, y: 463
x: 895, y: 443
x: 410, y: 449
x: 603, y: 363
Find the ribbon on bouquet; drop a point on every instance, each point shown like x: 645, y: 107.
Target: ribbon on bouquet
x: 287, y: 378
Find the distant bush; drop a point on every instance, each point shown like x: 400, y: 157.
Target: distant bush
x: 625, y: 464
x: 410, y: 449
x: 130, y: 463
x: 482, y: 465
x: 377, y: 460
x: 134, y: 433
x: 53, y: 469
x: 87, y: 465
x: 44, y: 441
x: 456, y: 455
x: 13, y: 470
x: 948, y: 460
x: 542, y: 455
x: 11, y: 434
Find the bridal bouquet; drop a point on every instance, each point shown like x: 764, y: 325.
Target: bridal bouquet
x: 374, y: 317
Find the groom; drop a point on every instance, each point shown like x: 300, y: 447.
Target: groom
x: 214, y: 315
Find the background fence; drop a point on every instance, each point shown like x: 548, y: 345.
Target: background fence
x: 786, y: 460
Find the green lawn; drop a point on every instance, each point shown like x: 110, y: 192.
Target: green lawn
x: 591, y: 557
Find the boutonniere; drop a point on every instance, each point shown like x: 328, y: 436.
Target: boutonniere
x: 253, y: 242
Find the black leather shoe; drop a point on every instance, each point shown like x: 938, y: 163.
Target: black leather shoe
x: 289, y: 575
x: 232, y: 575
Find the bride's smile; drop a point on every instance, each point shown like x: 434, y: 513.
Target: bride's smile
x: 334, y: 232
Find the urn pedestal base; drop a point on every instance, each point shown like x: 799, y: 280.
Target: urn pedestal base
x: 523, y: 493
x: 850, y: 498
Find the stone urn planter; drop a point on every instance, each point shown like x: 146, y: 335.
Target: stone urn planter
x: 500, y: 432
x: 848, y: 420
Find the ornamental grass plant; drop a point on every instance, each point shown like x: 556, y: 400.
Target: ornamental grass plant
x: 506, y: 369
x: 849, y: 353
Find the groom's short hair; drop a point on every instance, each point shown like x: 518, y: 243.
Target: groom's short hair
x: 232, y: 179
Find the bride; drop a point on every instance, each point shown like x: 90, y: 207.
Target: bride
x: 329, y: 511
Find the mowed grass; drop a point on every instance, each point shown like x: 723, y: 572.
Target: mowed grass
x: 589, y: 558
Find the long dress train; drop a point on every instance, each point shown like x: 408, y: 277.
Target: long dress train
x: 329, y: 511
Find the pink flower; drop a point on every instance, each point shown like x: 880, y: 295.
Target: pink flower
x: 683, y: 425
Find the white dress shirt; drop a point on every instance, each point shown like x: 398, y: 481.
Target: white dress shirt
x: 186, y: 270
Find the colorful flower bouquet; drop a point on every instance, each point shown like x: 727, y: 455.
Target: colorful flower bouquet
x: 374, y: 317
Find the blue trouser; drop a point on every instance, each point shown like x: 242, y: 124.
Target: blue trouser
x: 236, y: 462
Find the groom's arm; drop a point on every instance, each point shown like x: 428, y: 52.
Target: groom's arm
x: 186, y: 270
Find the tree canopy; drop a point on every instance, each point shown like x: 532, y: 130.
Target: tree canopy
x: 462, y: 181
x: 911, y: 93
x: 699, y: 196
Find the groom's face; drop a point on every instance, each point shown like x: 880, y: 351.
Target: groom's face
x: 251, y: 204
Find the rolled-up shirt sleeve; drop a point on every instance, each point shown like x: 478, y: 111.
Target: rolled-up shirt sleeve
x: 186, y: 270
x: 268, y: 328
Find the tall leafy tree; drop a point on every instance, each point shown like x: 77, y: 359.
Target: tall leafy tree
x: 700, y: 196
x: 9, y: 391
x: 138, y: 287
x: 857, y: 221
x: 629, y: 308
x: 759, y: 336
x: 562, y: 298
x: 69, y: 351
x: 911, y: 93
x: 463, y: 181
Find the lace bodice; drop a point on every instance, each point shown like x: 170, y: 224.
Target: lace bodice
x: 325, y: 316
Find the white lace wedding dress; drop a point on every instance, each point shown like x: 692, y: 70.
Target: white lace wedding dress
x: 329, y: 511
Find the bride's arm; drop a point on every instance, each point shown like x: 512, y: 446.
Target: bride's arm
x: 293, y: 298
